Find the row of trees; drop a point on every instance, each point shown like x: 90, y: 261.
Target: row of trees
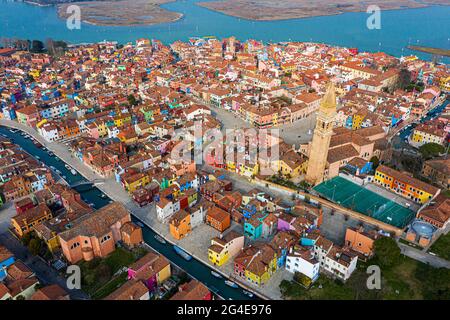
x: 52, y: 47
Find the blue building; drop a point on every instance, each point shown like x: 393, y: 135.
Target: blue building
x: 6, y: 260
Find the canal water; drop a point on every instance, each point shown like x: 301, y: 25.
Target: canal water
x: 399, y: 28
x: 94, y: 196
x: 406, y: 132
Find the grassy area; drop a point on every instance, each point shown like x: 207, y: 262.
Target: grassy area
x: 442, y: 246
x: 110, y: 287
x: 98, y: 273
x: 401, y: 279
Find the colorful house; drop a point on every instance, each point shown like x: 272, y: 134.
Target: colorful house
x: 256, y: 263
x: 6, y: 260
x: 405, y: 185
x: 218, y: 218
x: 180, y: 224
x: 153, y: 269
x: 224, y: 248
x: 192, y: 290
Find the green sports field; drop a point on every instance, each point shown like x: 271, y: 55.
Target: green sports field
x: 355, y: 197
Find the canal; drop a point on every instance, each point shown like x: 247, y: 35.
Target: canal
x: 399, y: 140
x: 92, y: 195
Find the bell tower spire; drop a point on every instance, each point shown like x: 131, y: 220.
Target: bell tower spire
x: 322, y: 135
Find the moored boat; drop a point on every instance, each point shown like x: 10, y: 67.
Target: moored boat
x: 182, y: 253
x: 247, y: 293
x: 160, y: 239
x: 231, y: 284
x: 215, y: 274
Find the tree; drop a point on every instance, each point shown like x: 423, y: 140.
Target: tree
x: 27, y: 238
x: 435, y: 282
x: 34, y: 246
x: 431, y: 150
x: 404, y: 78
x: 37, y: 46
x: 132, y: 100
x: 387, y: 251
x: 375, y: 161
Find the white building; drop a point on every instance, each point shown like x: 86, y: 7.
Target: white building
x: 341, y: 263
x: 301, y: 259
x: 49, y: 132
x: 166, y: 208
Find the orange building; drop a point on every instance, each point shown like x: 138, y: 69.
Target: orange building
x: 361, y: 241
x: 180, y: 224
x: 95, y: 234
x: 131, y: 234
x: 218, y: 218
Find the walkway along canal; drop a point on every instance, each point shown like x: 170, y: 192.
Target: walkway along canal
x: 92, y: 195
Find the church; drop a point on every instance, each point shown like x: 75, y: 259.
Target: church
x: 333, y: 148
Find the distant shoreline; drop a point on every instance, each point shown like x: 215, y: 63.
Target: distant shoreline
x: 37, y: 3
x: 126, y: 17
x: 246, y: 10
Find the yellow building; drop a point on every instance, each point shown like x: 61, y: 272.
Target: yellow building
x: 444, y: 84
x: 292, y: 164
x: 424, y: 133
x: 102, y: 129
x: 256, y: 263
x: 405, y: 185
x: 136, y: 181
x: 248, y: 169
x: 122, y: 119
x: 26, y: 221
x: 357, y: 121
x: 226, y: 247
x: 49, y: 236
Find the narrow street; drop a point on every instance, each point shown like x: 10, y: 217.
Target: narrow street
x: 45, y: 273
x: 424, y: 257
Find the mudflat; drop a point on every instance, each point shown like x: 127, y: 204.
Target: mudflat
x: 292, y: 9
x: 122, y: 12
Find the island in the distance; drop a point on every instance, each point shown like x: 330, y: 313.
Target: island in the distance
x: 292, y: 9
x: 121, y: 12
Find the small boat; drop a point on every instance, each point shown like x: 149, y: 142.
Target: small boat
x: 53, y: 168
x: 102, y: 196
x: 51, y: 154
x: 67, y: 166
x: 64, y: 177
x: 247, y: 293
x: 182, y: 253
x: 214, y: 290
x: 37, y: 157
x: 160, y: 239
x: 215, y: 274
x: 58, y: 172
x: 140, y: 224
x: 44, y: 149
x: 72, y: 171
x: 231, y: 284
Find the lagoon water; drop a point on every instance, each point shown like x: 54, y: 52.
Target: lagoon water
x: 428, y: 26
